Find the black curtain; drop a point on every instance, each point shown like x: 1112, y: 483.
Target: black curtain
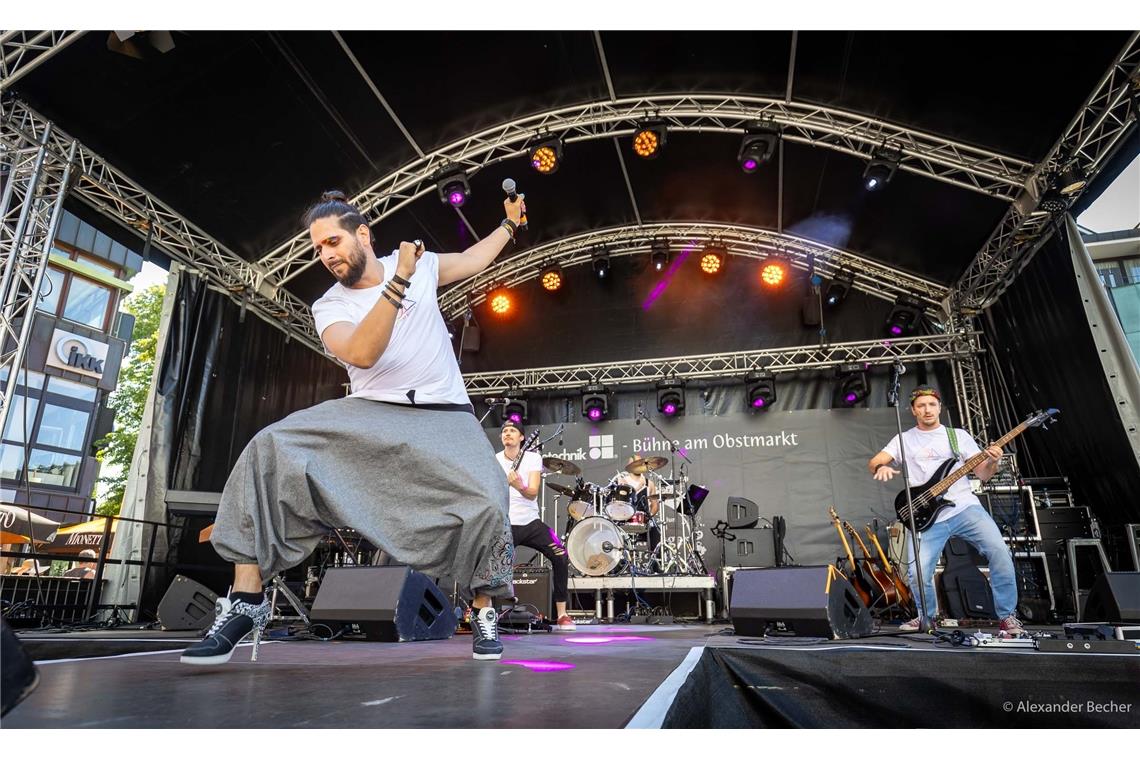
x: 224, y: 377
x: 1043, y: 352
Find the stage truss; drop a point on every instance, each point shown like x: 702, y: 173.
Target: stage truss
x: 869, y: 276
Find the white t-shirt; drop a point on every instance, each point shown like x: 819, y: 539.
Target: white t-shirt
x: 419, y: 355
x: 926, y: 450
x: 523, y: 510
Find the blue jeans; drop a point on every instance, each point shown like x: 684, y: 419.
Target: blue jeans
x: 977, y: 527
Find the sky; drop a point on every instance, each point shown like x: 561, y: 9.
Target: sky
x: 1118, y: 208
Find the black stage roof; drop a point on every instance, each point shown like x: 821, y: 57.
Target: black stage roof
x: 239, y: 131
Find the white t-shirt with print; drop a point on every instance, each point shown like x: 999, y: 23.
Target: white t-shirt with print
x: 419, y: 354
x: 926, y: 450
x: 523, y: 510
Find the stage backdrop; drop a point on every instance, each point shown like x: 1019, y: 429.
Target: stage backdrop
x: 795, y: 464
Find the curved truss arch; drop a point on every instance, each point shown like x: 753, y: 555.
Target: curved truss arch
x: 858, y: 135
x: 752, y: 242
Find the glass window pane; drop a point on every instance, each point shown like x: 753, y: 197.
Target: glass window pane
x: 50, y: 288
x: 86, y: 237
x: 87, y: 303
x: 11, y: 462
x: 62, y: 427
x: 27, y: 379
x: 68, y: 228
x: 1132, y: 269
x: 1109, y: 274
x: 23, y: 411
x: 72, y: 390
x: 102, y: 266
x: 52, y: 469
x: 102, y: 245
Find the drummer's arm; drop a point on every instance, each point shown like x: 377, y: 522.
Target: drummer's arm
x: 654, y: 502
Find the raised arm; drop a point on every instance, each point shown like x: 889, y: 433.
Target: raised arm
x: 458, y: 266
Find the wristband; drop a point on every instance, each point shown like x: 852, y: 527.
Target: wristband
x: 400, y: 281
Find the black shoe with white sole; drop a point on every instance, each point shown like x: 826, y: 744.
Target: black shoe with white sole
x: 234, y: 621
x: 485, y: 644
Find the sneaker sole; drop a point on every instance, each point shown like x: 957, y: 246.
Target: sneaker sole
x: 494, y: 656
x: 217, y: 659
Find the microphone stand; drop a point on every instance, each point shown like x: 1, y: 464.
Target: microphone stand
x: 490, y: 405
x: 897, y: 371
x: 676, y: 451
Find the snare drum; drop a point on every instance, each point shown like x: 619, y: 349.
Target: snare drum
x: 619, y: 503
x: 637, y: 523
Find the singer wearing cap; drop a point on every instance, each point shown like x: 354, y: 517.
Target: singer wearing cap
x: 527, y: 527
x: 927, y: 445
x: 402, y: 459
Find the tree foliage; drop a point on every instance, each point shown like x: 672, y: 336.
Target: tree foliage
x: 128, y: 399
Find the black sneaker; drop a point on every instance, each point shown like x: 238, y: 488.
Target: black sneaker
x: 233, y: 622
x: 485, y: 644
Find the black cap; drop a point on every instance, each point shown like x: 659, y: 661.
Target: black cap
x: 516, y: 425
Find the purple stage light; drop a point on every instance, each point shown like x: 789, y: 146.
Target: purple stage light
x: 594, y: 414
x: 669, y: 409
x: 896, y: 330
x: 851, y: 398
x: 759, y: 402
x: 750, y: 164
x: 541, y: 666
x: 515, y: 417
x: 456, y: 198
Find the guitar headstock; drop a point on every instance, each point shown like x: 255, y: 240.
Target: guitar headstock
x: 531, y: 442
x: 831, y: 511
x: 1042, y: 419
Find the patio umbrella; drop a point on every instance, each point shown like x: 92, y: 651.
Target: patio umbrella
x: 76, y: 538
x: 15, y: 527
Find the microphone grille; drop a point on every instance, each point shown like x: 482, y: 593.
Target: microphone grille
x: 508, y: 185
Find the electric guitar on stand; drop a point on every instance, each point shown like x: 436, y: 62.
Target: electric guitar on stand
x: 927, y: 498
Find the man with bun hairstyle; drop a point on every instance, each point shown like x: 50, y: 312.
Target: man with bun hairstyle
x: 402, y: 459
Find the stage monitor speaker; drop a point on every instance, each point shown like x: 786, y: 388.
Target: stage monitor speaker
x: 392, y: 603
x: 742, y: 513
x: 18, y: 677
x: 751, y: 547
x: 533, y: 588
x: 809, y: 601
x: 186, y: 606
x: 1114, y: 598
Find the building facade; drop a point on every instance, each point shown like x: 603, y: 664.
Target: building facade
x: 78, y: 341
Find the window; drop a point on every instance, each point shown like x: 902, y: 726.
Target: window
x: 67, y: 388
x: 63, y: 428
x: 29, y: 379
x: 52, y: 469
x: 11, y: 462
x: 101, y: 266
x: 1132, y: 270
x: 50, y: 290
x: 87, y: 303
x: 23, y: 413
x: 1109, y: 274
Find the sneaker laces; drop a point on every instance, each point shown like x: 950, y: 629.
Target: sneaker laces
x: 1011, y: 621
x: 223, y: 611
x: 488, y: 624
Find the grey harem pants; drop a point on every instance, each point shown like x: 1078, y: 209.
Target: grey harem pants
x: 421, y: 484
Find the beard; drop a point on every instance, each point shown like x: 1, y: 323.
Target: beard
x: 354, y: 266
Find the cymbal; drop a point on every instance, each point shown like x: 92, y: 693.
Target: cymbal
x: 554, y: 464
x: 642, y: 466
x: 559, y: 488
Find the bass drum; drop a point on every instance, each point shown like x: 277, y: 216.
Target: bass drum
x: 595, y: 546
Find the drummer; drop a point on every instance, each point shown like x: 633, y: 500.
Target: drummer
x: 527, y: 526
x: 645, y: 498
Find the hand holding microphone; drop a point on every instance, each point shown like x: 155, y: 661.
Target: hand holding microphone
x: 515, y: 204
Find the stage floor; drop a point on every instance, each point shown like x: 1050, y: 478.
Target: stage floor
x: 602, y: 676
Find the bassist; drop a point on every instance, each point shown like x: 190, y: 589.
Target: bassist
x: 928, y: 445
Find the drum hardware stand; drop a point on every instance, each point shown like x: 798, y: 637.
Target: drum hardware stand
x: 676, y: 452
x: 279, y: 587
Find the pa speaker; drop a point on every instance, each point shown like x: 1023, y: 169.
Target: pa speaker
x: 1114, y: 598
x: 750, y: 547
x: 392, y: 603
x: 742, y: 512
x: 808, y: 601
x: 186, y: 606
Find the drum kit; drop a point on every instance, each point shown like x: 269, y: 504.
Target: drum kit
x: 635, y: 524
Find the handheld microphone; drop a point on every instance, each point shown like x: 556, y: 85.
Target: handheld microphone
x: 494, y: 401
x: 511, y: 189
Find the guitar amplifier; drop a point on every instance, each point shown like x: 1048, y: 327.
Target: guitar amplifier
x: 1014, y: 511
x: 533, y: 588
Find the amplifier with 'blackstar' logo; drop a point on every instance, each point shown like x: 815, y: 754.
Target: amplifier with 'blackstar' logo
x: 533, y: 589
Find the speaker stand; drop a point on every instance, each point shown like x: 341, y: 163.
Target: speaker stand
x: 279, y: 587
